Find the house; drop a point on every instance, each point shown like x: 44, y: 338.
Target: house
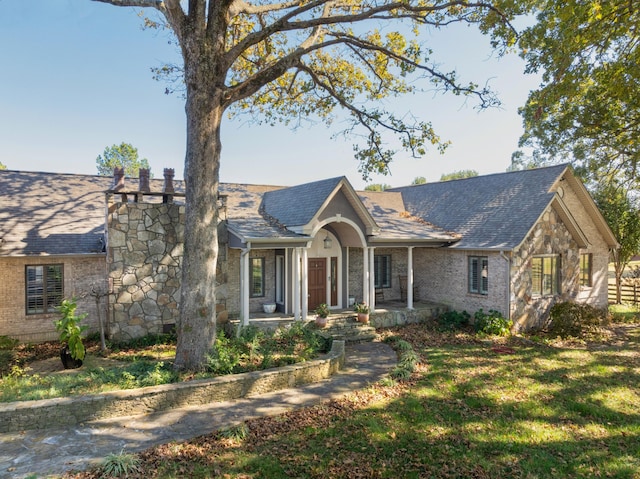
x: 513, y: 242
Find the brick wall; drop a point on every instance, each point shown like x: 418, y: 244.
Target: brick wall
x: 80, y: 274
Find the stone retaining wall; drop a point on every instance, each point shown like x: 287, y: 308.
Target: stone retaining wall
x: 66, y: 412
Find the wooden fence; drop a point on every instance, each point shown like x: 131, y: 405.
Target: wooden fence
x: 630, y: 293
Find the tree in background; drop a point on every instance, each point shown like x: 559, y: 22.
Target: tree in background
x: 622, y: 213
x: 458, y: 175
x: 587, y: 109
x: 122, y: 155
x: 377, y: 187
x: 2, y: 166
x: 286, y: 61
x: 419, y: 180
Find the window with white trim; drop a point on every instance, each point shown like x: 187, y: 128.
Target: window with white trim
x: 382, y: 270
x: 257, y: 277
x: 586, y: 279
x: 44, y: 286
x: 479, y: 274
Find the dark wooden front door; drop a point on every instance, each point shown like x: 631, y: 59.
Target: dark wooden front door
x: 317, y: 277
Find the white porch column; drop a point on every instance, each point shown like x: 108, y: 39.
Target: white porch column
x: 304, y: 265
x: 296, y: 283
x: 410, y: 277
x: 372, y: 280
x: 244, y: 287
x: 365, y: 274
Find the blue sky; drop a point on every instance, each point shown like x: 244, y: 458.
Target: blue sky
x: 76, y: 78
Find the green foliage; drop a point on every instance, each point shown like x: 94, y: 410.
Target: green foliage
x: 492, y: 323
x: 587, y: 107
x: 144, y: 341
x: 322, y: 310
x: 377, y: 187
x: 407, y: 358
x: 120, y: 465
x: 568, y: 319
x: 419, y: 180
x: 361, y: 308
x: 123, y: 155
x: 7, y: 356
x: 459, y: 175
x: 453, y: 320
x: 237, y: 433
x: 70, y: 329
x: 623, y: 217
x: 255, y: 349
x: 2, y: 166
x: 8, y: 343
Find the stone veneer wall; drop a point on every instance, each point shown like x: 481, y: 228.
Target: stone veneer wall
x: 69, y: 411
x: 550, y: 237
x: 144, y: 258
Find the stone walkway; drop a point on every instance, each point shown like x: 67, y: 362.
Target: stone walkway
x: 55, y: 451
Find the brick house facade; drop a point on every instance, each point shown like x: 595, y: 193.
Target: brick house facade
x: 513, y: 242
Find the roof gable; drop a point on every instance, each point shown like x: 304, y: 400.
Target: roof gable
x: 299, y: 207
x: 489, y: 212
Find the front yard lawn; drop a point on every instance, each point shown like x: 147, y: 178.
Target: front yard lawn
x: 474, y: 408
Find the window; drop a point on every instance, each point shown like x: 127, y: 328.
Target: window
x: 280, y: 270
x: 382, y: 270
x: 585, y: 270
x: 479, y: 274
x: 545, y: 275
x: 44, y: 287
x: 257, y: 277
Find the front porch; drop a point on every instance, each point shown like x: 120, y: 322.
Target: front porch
x: 387, y: 315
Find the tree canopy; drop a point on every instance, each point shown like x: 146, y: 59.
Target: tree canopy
x: 287, y: 61
x: 622, y: 212
x: 377, y: 187
x: 122, y: 155
x: 419, y: 180
x: 2, y: 166
x: 587, y: 109
x: 458, y: 175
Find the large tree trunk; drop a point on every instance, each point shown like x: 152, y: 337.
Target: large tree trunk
x: 197, y: 324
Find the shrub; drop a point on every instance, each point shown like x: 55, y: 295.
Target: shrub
x: 568, y: 319
x: 452, y: 320
x: 492, y: 323
x: 70, y: 329
x: 119, y: 465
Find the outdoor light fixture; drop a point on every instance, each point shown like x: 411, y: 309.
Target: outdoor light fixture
x: 327, y: 242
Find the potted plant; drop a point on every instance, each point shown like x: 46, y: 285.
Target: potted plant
x: 73, y: 352
x: 322, y: 312
x: 363, y: 312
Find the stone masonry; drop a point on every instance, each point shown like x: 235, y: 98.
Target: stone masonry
x: 144, y: 258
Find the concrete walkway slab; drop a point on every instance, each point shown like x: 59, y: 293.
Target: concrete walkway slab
x: 56, y: 451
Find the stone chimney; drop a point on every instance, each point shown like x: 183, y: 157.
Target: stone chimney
x: 144, y: 180
x: 168, y: 180
x: 118, y: 178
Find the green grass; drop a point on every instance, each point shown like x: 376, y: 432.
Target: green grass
x: 467, y: 412
x: 625, y: 313
x: 148, y: 362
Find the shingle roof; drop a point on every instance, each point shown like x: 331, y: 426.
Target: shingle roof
x: 396, y: 223
x: 55, y: 213
x: 244, y: 217
x: 44, y: 213
x: 493, y: 211
x: 297, y: 205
